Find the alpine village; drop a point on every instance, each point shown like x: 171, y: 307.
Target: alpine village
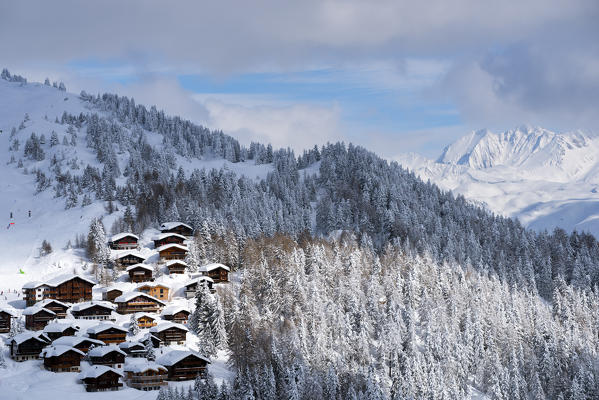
x: 133, y: 330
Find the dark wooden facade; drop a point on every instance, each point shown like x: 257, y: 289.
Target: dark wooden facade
x: 179, y: 317
x: 39, y: 319
x: 140, y: 273
x: 109, y: 335
x: 28, y: 349
x: 180, y: 229
x: 129, y: 259
x: 218, y: 275
x: 5, y: 321
x: 127, y: 242
x: 133, y: 349
x: 140, y: 303
x: 173, y: 252
x: 148, y: 379
x: 70, y: 290
x: 94, y: 312
x: 108, y: 381
x: 69, y: 361
x: 187, y: 369
x: 58, y: 307
x: 171, y: 335
x: 113, y: 358
x: 168, y: 239
x: 176, y: 267
x: 111, y: 294
x: 53, y: 335
x: 80, y: 343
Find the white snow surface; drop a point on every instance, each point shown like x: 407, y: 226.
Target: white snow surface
x: 543, y: 178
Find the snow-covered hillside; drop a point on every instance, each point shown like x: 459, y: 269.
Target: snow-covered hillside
x: 29, y: 217
x: 545, y: 179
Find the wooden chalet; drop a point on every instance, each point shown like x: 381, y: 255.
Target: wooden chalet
x: 140, y: 272
x: 170, y: 333
x: 176, y: 266
x: 183, y: 365
x: 145, y: 320
x: 218, y: 272
x: 28, y: 346
x: 133, y: 302
x: 93, y: 310
x: 6, y: 317
x: 145, y: 375
x: 123, y: 241
x: 177, y: 314
x: 192, y: 286
x: 168, y: 238
x: 59, y: 308
x: 111, y: 356
x: 172, y: 251
x: 149, y: 338
x: 81, y: 343
x: 109, y: 294
x: 129, y: 258
x: 133, y: 349
x: 55, y: 330
x: 68, y: 288
x: 155, y: 289
x: 100, y: 378
x: 62, y: 358
x: 36, y: 318
x: 177, y: 227
x: 108, y: 333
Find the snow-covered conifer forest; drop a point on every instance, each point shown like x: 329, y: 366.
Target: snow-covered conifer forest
x: 351, y: 278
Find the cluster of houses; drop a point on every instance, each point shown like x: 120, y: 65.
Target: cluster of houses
x: 57, y: 309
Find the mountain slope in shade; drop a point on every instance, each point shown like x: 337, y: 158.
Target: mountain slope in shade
x: 545, y: 179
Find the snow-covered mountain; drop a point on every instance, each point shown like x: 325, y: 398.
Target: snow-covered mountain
x: 544, y: 178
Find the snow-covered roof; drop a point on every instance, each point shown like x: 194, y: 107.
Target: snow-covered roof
x: 58, y: 327
x: 9, y: 312
x: 23, y: 337
x: 32, y: 285
x: 198, y: 280
x: 122, y: 286
x: 75, y: 341
x: 168, y: 234
x: 127, y: 345
x: 138, y: 315
x: 101, y: 351
x: 103, y: 327
x: 129, y: 253
x: 171, y: 262
x: 45, y: 302
x: 139, y: 265
x: 173, y: 224
x: 175, y: 356
x: 171, y: 245
x: 58, y: 350
x: 125, y: 297
x: 172, y: 310
x: 213, y: 266
x: 90, y: 304
x: 167, y: 325
x: 153, y: 285
x: 36, y: 309
x: 60, y: 279
x: 122, y: 235
x: 95, y: 371
x: 141, y: 365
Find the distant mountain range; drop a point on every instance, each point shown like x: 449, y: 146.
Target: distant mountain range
x: 544, y: 178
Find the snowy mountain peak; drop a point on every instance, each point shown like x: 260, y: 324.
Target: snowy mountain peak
x: 571, y: 154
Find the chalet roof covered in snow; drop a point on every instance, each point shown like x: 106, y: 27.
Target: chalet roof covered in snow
x: 142, y: 365
x: 45, y: 302
x: 171, y: 245
x: 199, y: 279
x: 101, y: 351
x: 172, y: 310
x: 153, y: 285
x: 8, y: 311
x: 129, y: 253
x: 75, y: 341
x: 139, y: 265
x: 23, y: 337
x: 138, y: 315
x: 123, y: 235
x: 172, y: 262
x: 129, y: 345
x: 168, y: 234
x: 90, y: 304
x: 59, y: 327
x: 213, y: 266
x: 167, y: 226
x: 125, y: 297
x: 58, y: 350
x: 95, y: 371
x: 33, y: 285
x: 122, y: 286
x: 175, y: 356
x: 36, y: 309
x: 167, y: 325
x: 104, y: 327
x: 60, y: 279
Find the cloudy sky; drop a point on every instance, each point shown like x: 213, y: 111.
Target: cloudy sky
x: 393, y: 76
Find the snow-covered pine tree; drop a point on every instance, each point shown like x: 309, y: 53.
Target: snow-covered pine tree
x: 133, y: 325
x: 97, y: 248
x: 207, y: 322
